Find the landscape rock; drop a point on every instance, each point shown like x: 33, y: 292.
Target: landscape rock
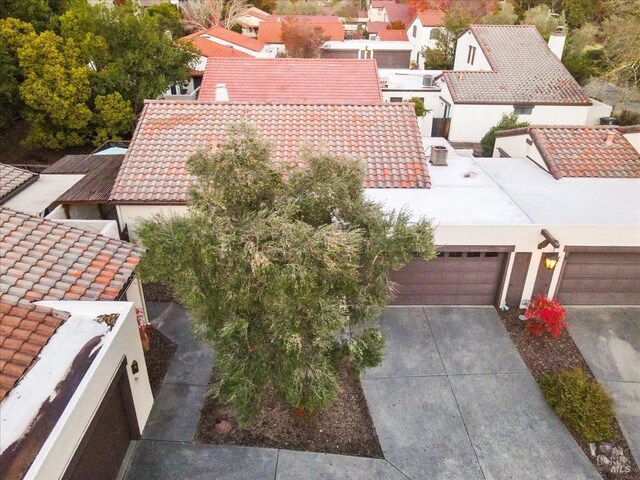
x: 222, y: 427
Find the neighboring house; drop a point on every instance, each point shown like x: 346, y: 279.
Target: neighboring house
x: 575, y: 151
x: 353, y: 24
x: 403, y: 85
x: 374, y: 29
x: 376, y: 10
x: 74, y: 187
x: 423, y: 33
x: 14, y: 180
x: 388, y: 54
x: 291, y: 80
x: 251, y: 20
x: 398, y: 13
x: 270, y: 31
x: 388, y: 35
x: 153, y: 176
x: 217, y: 42
x: 74, y: 389
x: 503, y: 69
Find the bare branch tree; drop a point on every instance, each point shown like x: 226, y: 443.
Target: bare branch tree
x: 203, y: 14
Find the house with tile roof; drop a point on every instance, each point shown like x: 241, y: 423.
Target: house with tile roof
x: 387, y: 54
x: 270, y: 31
x: 375, y: 12
x: 69, y: 343
x: 423, y: 33
x: 14, y: 180
x: 389, y: 35
x: 398, y: 13
x: 153, y: 175
x: 292, y: 80
x: 217, y: 42
x: 575, y: 151
x: 504, y: 69
x: 251, y: 20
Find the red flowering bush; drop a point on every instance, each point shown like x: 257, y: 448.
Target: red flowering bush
x: 543, y: 315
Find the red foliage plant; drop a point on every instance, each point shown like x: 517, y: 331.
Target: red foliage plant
x: 544, y: 314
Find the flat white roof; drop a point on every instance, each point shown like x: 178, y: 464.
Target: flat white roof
x: 407, y: 79
x: 362, y: 44
x: 513, y: 191
x: 43, y: 192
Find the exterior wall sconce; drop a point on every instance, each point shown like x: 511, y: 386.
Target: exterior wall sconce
x: 134, y: 367
x: 551, y: 260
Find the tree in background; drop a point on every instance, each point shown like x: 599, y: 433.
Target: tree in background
x: 583, y: 56
x: 203, y: 14
x: 442, y: 56
x: 579, y: 12
x: 622, y: 49
x: 168, y: 17
x: 39, y: 13
x: 13, y: 34
x: 507, y: 122
x: 544, y: 20
x: 506, y: 15
x: 128, y: 50
x: 304, y: 7
x: 285, y: 278
x: 113, y: 117
x: 302, y: 40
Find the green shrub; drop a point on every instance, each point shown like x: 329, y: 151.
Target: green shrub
x: 507, y: 122
x: 627, y: 117
x: 581, y: 403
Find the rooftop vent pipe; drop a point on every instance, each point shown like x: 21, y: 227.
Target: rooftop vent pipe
x: 222, y: 94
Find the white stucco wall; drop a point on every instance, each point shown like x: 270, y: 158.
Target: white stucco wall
x: 421, y: 40
x: 122, y: 342
x: 431, y: 102
x: 375, y: 14
x: 633, y: 139
x: 130, y: 215
x: 462, y: 50
x: 135, y: 295
x: 516, y: 146
x: 469, y: 123
x: 597, y: 111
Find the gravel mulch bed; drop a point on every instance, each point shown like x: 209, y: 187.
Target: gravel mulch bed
x: 158, y: 358
x: 343, y: 428
x: 157, y: 292
x: 546, y: 355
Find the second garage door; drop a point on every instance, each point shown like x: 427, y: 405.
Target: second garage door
x: 600, y: 278
x: 453, y: 278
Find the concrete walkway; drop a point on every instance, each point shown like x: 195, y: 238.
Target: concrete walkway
x: 452, y: 400
x: 609, y: 339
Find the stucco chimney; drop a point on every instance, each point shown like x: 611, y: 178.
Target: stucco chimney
x: 222, y: 94
x: 557, y: 40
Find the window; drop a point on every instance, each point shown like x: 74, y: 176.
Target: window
x: 415, y: 31
x: 434, y: 34
x: 522, y: 110
x: 471, y: 55
x: 395, y: 99
x: 366, y: 54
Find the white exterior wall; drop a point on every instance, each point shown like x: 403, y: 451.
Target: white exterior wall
x: 462, y: 50
x: 135, y: 295
x: 130, y: 215
x: 431, y: 102
x: 469, y: 123
x: 597, y: 111
x: 525, y: 238
x: 375, y: 14
x: 633, y: 139
x: 421, y: 40
x: 122, y: 342
x: 516, y: 146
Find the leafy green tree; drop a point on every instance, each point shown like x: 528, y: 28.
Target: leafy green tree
x: 168, y: 17
x: 507, y: 122
x: 55, y: 91
x: 303, y: 7
x: 442, y: 56
x: 13, y: 34
x: 285, y: 275
x: 506, y: 15
x: 544, y: 20
x: 622, y: 49
x: 580, y: 12
x: 113, y: 117
x: 128, y: 50
x: 38, y: 13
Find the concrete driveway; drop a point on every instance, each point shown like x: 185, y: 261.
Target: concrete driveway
x: 609, y: 339
x: 454, y: 400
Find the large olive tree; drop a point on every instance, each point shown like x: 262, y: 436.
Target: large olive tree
x: 283, y: 272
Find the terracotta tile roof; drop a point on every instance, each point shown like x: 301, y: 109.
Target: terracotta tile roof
x: 228, y: 36
x: 376, y: 27
x: 260, y: 14
x: 24, y: 330
x: 271, y: 31
x: 96, y: 185
x: 400, y: 12
x: 381, y: 3
x: 46, y: 260
x: 431, y: 17
x: 385, y: 136
x: 524, y: 70
x: 13, y: 180
x: 393, y: 35
x: 594, y: 151
x: 293, y: 80
x: 306, y: 18
x: 210, y: 49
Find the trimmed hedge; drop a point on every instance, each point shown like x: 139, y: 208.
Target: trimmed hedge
x: 581, y: 403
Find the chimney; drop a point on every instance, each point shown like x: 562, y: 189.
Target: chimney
x: 557, y: 40
x: 222, y: 94
x: 609, y: 140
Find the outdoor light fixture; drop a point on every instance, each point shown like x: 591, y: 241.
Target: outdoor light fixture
x: 551, y: 260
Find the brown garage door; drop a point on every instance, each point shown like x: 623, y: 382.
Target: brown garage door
x: 453, y: 278
x: 600, y: 278
x: 105, y: 443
